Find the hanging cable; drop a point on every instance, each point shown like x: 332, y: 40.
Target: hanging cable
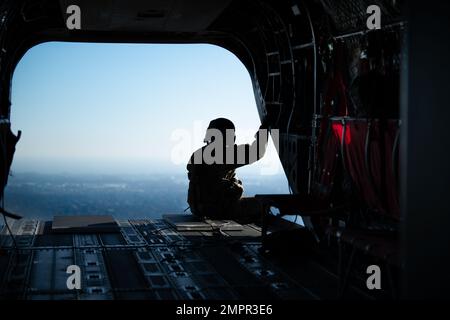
x: 313, y: 136
x: 2, y: 203
x: 8, y: 228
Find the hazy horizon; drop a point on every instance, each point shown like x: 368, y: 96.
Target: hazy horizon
x: 43, y: 196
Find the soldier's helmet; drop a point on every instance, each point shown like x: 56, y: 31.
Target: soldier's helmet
x: 223, y: 126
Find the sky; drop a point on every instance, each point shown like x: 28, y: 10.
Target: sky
x: 127, y: 108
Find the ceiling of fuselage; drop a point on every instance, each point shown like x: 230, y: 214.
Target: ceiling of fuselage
x: 147, y: 15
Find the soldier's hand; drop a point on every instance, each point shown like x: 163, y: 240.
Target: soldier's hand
x: 265, y: 124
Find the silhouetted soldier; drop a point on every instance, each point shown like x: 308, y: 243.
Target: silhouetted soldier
x: 214, y: 190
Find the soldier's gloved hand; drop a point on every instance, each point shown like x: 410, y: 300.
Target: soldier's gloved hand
x: 265, y: 124
x: 262, y: 133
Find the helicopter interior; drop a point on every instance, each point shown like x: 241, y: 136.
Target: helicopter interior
x: 347, y: 100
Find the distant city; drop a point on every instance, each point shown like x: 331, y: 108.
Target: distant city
x: 43, y: 196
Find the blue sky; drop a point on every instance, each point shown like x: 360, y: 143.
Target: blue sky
x: 127, y: 108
